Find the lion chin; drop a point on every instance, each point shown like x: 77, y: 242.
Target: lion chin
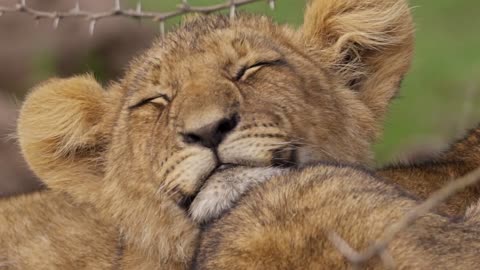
x: 225, y: 187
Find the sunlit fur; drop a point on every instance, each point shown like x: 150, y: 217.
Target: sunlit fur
x: 131, y: 163
x: 320, y: 93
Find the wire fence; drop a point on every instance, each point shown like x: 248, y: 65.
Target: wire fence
x: 183, y: 8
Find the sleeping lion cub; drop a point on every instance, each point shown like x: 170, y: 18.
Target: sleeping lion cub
x: 218, y: 100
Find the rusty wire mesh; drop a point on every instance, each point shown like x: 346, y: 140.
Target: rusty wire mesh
x: 184, y: 7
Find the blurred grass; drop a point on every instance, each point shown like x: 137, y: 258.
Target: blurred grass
x: 444, y: 79
x: 443, y: 83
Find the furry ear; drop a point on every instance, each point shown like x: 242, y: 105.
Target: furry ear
x: 367, y: 43
x: 63, y: 129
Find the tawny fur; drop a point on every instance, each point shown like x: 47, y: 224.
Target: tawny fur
x: 130, y: 156
x: 423, y: 178
x: 286, y: 222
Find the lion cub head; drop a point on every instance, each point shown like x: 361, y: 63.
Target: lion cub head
x: 220, y: 92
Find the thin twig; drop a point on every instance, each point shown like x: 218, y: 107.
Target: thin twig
x: 379, y: 248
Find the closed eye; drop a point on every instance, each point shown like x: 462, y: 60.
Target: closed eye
x: 246, y: 71
x: 160, y: 100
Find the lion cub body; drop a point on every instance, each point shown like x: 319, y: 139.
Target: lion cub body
x: 286, y: 223
x: 47, y: 230
x: 423, y: 178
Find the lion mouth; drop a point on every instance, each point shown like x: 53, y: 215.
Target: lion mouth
x: 281, y: 159
x: 187, y: 200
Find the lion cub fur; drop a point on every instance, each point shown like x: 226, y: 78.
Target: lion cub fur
x: 121, y: 162
x: 286, y: 223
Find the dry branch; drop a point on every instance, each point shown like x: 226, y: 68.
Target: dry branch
x: 379, y: 248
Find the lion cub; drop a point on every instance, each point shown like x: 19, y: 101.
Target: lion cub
x: 122, y: 165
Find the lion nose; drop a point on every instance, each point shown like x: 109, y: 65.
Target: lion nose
x: 212, y: 134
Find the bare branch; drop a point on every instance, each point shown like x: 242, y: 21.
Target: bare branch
x: 379, y: 248
x: 272, y: 4
x: 91, y: 27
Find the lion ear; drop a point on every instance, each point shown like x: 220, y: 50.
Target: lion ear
x: 63, y: 130
x: 367, y: 43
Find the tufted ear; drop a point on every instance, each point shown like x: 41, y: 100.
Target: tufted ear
x: 367, y: 43
x: 63, y: 130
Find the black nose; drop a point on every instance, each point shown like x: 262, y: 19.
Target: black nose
x: 212, y: 134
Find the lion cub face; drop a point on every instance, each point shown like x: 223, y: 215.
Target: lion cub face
x: 238, y: 96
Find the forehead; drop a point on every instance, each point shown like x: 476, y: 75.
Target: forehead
x: 204, y: 34
x: 201, y: 46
